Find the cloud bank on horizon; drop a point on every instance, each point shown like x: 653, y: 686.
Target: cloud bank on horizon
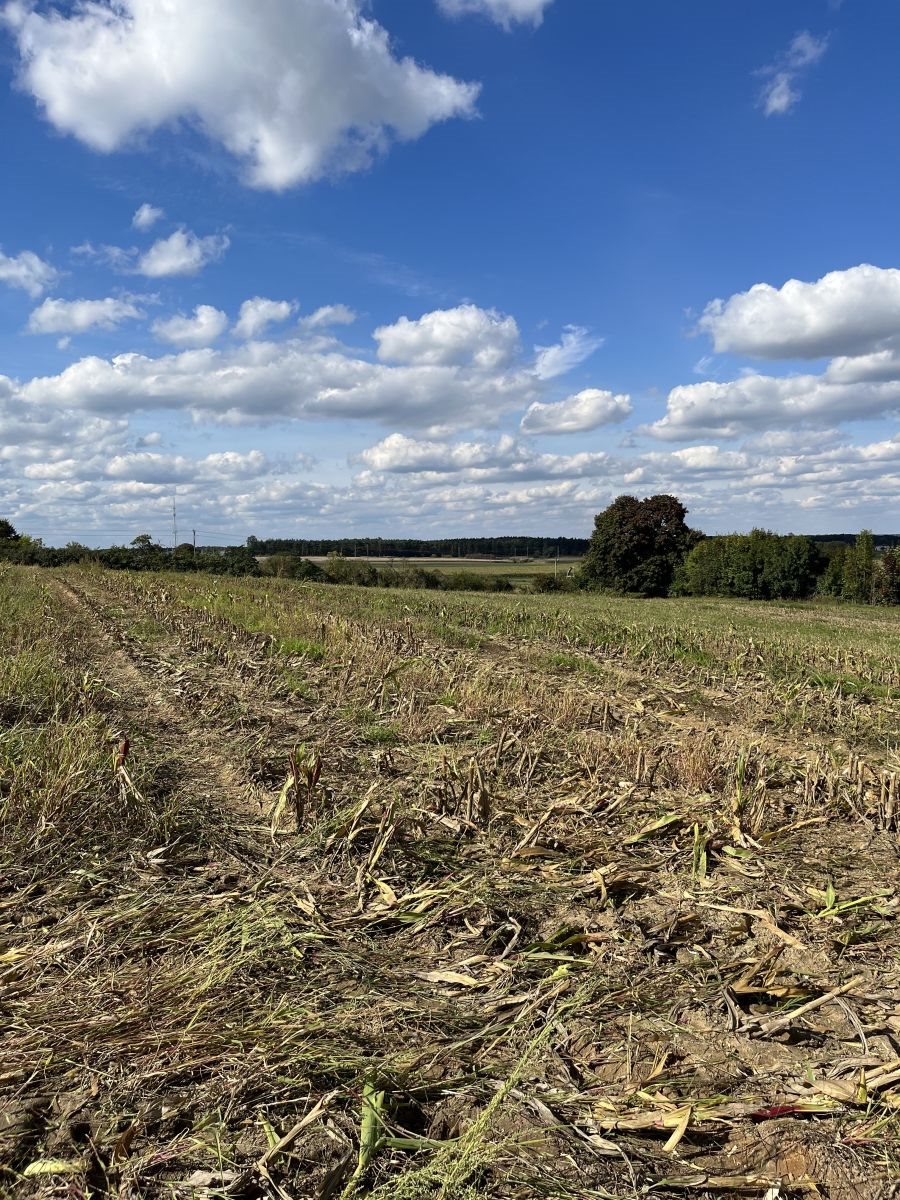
x: 431, y: 378
x: 353, y: 409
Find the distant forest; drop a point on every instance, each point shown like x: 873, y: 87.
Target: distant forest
x: 471, y: 547
x: 459, y: 547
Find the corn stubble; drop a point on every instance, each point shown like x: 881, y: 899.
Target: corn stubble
x: 322, y: 892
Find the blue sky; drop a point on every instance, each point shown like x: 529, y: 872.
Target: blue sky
x: 319, y: 267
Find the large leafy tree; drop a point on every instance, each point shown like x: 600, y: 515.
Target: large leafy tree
x: 7, y: 533
x: 637, y: 545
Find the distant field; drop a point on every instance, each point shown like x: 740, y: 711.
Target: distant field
x: 320, y: 891
x: 517, y: 571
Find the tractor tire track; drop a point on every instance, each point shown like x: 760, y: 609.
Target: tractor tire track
x: 183, y: 747
x: 223, y: 717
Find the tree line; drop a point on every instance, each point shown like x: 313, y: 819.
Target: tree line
x: 765, y: 566
x: 143, y: 554
x: 461, y: 547
x: 646, y: 547
x: 638, y: 547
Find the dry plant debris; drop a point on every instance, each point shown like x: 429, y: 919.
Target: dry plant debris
x: 320, y: 892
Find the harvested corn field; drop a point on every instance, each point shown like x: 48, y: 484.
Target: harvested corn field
x: 326, y: 892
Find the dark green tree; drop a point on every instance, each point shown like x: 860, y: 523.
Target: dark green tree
x: 831, y: 581
x: 147, y: 555
x: 637, y: 545
x: 757, y: 566
x: 887, y: 579
x: 859, y: 569
x: 792, y: 565
x: 704, y: 571
x: 24, y: 549
x: 289, y: 566
x: 7, y: 532
x: 339, y: 569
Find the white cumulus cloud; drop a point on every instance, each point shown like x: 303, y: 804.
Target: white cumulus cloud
x: 466, y: 334
x: 756, y: 403
x: 503, y: 12
x: 294, y: 380
x: 146, y: 217
x: 588, y: 409
x: 183, y: 253
x: 28, y: 272
x: 32, y: 432
x: 327, y: 316
x: 575, y: 345
x: 877, y: 367
x: 294, y: 89
x: 150, y: 467
x: 398, y: 452
x: 207, y: 324
x: 77, y: 316
x: 493, y: 462
x: 852, y: 317
x: 845, y: 312
x: 258, y: 313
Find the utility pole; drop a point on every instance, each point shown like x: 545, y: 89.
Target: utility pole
x: 556, y: 565
x: 174, y: 526
x: 194, y: 532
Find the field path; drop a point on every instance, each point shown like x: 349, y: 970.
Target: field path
x: 164, y: 710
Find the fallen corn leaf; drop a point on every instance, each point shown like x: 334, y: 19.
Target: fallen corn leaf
x: 455, y: 977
